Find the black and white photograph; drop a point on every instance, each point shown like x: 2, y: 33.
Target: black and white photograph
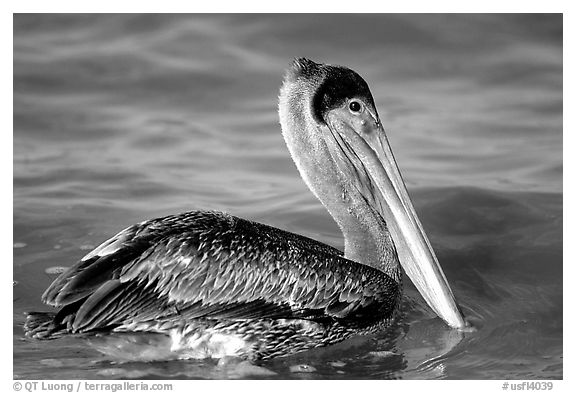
x: 349, y: 196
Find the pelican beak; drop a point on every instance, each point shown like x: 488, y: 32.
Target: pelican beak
x: 414, y: 250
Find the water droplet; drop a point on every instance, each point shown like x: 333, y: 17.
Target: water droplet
x: 382, y: 354
x: 55, y: 270
x: 302, y: 368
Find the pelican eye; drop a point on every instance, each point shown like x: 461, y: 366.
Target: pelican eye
x: 355, y: 106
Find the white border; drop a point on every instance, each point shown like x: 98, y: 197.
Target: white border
x: 6, y: 77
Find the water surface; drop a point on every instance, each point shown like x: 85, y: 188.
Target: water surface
x: 120, y: 118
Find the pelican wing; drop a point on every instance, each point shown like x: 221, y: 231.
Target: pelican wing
x: 212, y: 265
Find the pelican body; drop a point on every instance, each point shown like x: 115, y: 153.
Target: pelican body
x: 216, y: 285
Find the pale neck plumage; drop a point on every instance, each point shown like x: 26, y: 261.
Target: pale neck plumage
x: 367, y: 239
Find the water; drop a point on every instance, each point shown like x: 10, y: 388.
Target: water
x: 122, y: 118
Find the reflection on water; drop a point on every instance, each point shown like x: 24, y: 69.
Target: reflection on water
x: 121, y: 118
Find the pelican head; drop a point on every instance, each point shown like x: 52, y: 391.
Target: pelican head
x: 335, y: 136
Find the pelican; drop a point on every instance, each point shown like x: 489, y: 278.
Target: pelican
x: 217, y: 285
